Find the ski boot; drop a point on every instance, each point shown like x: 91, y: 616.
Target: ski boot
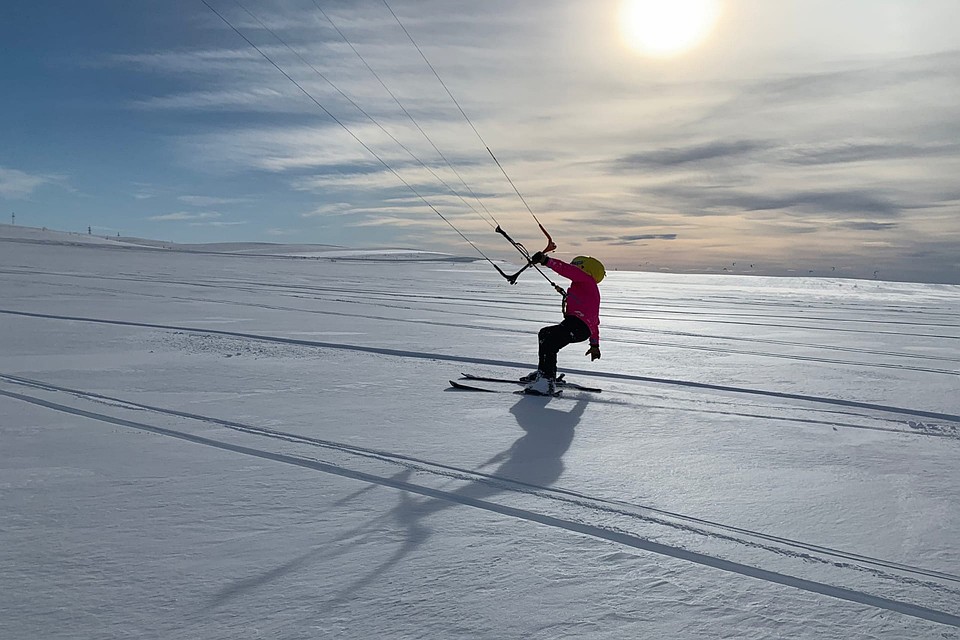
x: 541, y: 385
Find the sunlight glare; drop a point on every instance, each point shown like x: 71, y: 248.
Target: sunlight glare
x: 666, y: 28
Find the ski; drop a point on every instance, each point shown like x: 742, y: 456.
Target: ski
x: 560, y: 382
x: 459, y: 386
x: 466, y: 387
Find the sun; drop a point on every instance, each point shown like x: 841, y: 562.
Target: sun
x: 667, y: 28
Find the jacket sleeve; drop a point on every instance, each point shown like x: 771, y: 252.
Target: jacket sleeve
x: 569, y: 271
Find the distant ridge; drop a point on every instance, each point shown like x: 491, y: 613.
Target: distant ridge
x: 17, y: 233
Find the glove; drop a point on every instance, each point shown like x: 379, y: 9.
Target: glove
x: 593, y: 352
x: 539, y: 258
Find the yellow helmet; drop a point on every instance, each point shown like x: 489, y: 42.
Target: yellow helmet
x: 591, y: 265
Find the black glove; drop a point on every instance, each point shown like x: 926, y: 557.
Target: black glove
x: 593, y: 352
x: 539, y: 258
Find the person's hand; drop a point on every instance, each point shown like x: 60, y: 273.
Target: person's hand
x: 538, y: 258
x: 593, y: 352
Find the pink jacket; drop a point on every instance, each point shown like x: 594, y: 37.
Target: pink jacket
x: 583, y: 296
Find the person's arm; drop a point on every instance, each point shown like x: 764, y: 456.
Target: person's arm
x: 594, y: 350
x: 566, y: 270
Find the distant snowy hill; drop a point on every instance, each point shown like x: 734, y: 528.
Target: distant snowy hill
x: 11, y: 232
x: 14, y: 233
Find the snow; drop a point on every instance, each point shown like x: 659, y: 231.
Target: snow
x: 230, y: 444
x: 13, y: 233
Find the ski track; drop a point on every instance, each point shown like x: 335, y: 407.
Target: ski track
x: 607, y: 328
x: 667, y: 305
x: 498, y: 363
x: 917, y: 428
x: 787, y: 547
x: 387, y: 294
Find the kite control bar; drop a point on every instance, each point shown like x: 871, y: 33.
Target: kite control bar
x: 551, y: 245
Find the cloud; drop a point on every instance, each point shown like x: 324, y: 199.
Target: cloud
x: 330, y: 209
x: 180, y: 216
x: 650, y: 236
x: 253, y: 99
x: 868, y: 225
x: 837, y: 202
x: 402, y: 221
x: 675, y: 156
x: 901, y: 107
x: 16, y: 184
x: 705, y: 201
x: 876, y: 78
x: 276, y: 150
x: 629, y: 239
x: 207, y: 201
x: 854, y: 151
x: 737, y: 152
x: 218, y: 224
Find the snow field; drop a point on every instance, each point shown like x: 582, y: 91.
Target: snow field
x: 223, y: 446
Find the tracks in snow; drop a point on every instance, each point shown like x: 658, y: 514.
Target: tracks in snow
x: 836, y: 402
x: 403, y: 300
x: 713, y: 544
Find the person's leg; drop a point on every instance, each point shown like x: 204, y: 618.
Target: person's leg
x: 552, y: 339
x: 556, y: 337
x: 578, y: 329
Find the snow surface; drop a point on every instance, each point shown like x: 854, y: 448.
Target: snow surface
x: 13, y: 233
x: 213, y: 445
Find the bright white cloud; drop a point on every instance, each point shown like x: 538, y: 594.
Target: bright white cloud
x: 254, y: 99
x: 16, y: 184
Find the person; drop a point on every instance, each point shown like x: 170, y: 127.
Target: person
x: 581, y: 318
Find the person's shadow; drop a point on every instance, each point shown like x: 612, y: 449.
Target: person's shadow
x: 536, y: 458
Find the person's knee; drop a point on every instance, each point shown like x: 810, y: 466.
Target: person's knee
x: 545, y: 334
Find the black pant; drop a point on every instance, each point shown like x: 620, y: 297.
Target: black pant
x: 556, y: 337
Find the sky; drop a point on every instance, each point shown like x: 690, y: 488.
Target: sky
x: 789, y: 137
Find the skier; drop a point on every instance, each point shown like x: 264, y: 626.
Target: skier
x: 581, y: 318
